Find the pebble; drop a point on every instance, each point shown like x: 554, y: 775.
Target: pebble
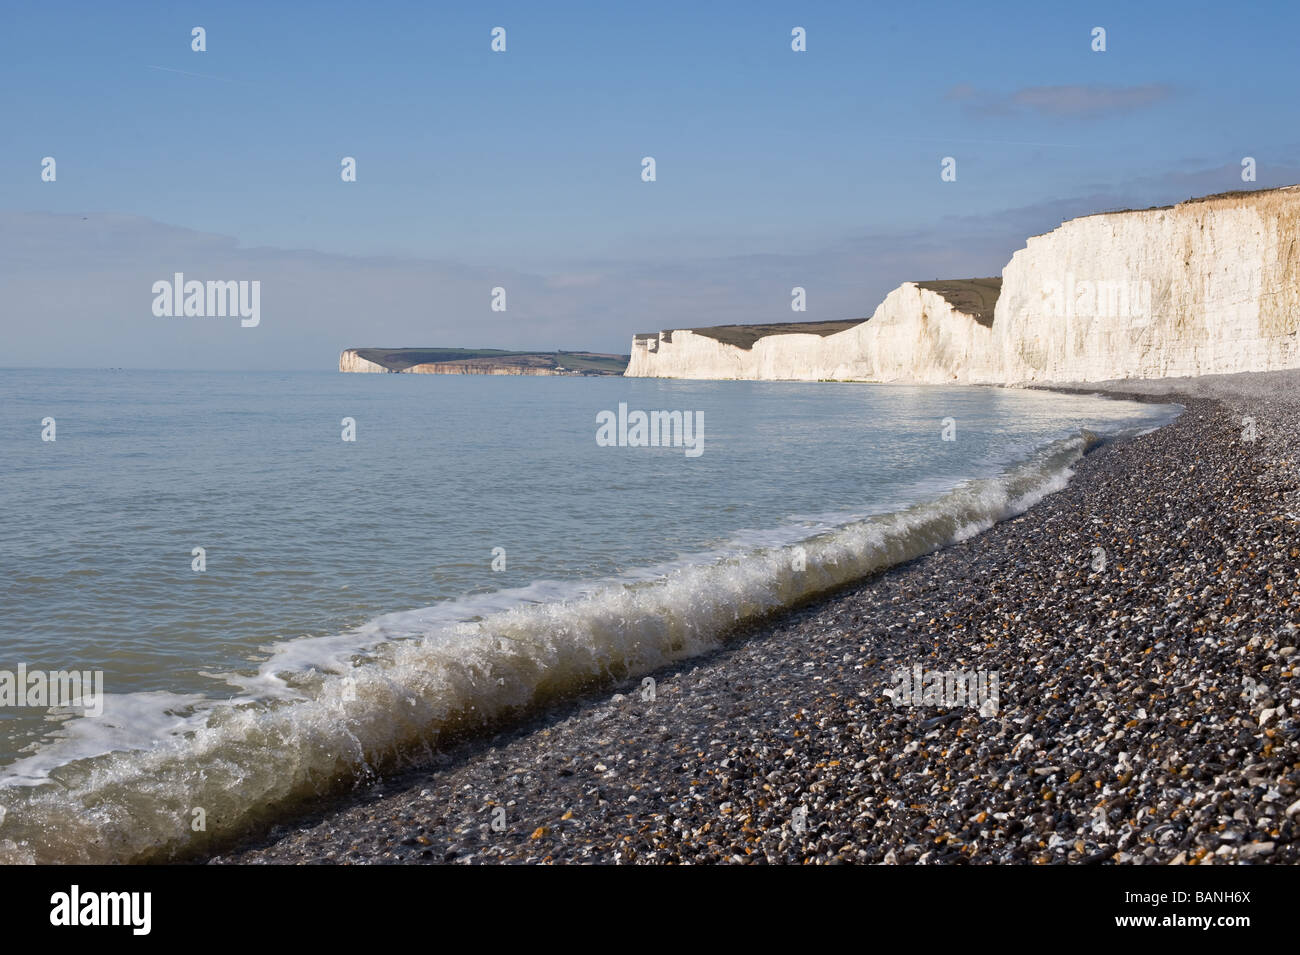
x: 1145, y: 713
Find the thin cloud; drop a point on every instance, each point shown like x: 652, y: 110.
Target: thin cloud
x: 1091, y: 100
x: 982, y: 142
x: 202, y: 76
x: 1062, y: 102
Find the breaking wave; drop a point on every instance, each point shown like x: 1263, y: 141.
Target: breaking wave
x: 321, y: 714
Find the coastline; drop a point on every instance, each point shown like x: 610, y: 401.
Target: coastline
x: 1122, y: 735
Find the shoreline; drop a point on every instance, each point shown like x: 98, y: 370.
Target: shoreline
x: 1122, y: 734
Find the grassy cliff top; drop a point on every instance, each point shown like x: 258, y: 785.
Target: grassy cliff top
x: 744, y: 336
x: 1236, y: 196
x: 975, y: 297
x: 399, y: 359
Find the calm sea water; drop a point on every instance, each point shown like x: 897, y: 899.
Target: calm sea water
x: 472, y: 551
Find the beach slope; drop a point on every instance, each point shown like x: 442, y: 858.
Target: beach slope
x: 1142, y: 624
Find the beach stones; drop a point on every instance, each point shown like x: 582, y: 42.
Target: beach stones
x: 1147, y: 713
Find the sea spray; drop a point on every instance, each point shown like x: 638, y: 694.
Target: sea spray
x: 249, y: 761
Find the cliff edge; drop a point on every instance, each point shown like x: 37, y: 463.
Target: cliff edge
x: 932, y: 332
x: 1208, y: 286
x: 481, y: 361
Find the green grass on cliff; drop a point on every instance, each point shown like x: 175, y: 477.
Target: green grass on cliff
x: 399, y: 359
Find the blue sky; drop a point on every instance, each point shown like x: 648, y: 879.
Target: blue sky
x: 522, y: 168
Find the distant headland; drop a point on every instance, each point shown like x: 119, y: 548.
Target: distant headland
x: 1208, y: 286
x: 480, y: 361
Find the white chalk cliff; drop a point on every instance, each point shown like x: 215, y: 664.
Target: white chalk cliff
x: 1208, y: 286
x: 349, y: 360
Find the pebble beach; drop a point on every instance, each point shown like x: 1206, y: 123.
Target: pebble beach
x: 1142, y: 625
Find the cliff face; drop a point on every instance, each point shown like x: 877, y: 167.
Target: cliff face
x: 479, y: 361
x: 476, y: 368
x: 349, y: 360
x: 921, y: 335
x: 916, y: 334
x: 1208, y: 286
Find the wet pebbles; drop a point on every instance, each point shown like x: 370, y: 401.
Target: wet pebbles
x: 1143, y: 627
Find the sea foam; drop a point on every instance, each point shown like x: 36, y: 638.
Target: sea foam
x: 322, y: 714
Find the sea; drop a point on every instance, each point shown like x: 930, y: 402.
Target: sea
x: 274, y: 586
